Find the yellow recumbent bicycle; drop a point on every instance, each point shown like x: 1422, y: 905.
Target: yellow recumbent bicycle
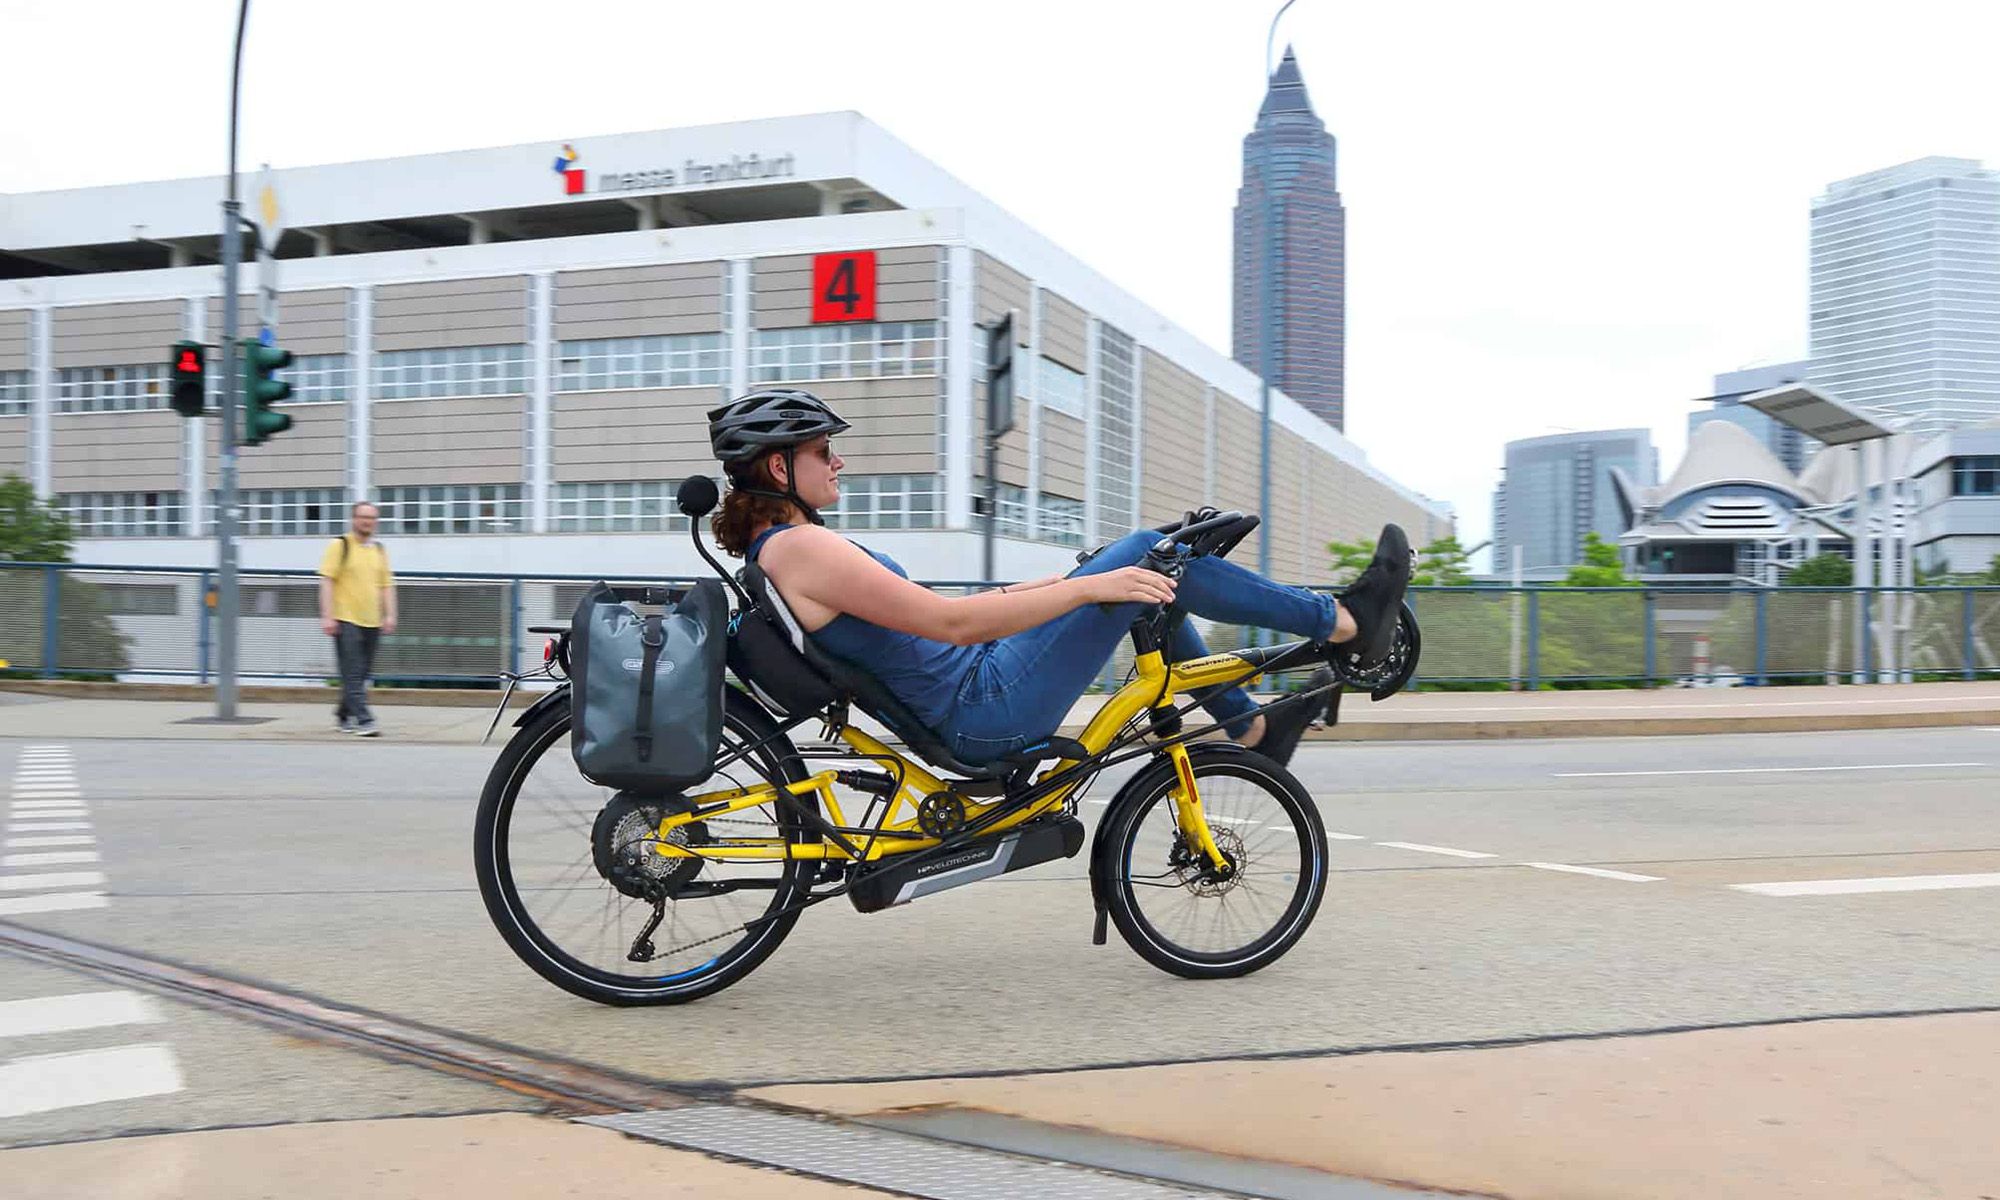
x: 1210, y: 859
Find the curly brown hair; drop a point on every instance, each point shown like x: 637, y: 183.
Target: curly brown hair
x: 736, y: 522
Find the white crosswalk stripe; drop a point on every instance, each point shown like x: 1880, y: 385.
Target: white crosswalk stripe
x: 45, y: 798
x: 47, y: 1082
x: 38, y: 1083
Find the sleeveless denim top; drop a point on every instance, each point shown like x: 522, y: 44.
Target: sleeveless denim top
x: 924, y: 674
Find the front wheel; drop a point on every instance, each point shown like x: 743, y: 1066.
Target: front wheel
x: 1168, y: 901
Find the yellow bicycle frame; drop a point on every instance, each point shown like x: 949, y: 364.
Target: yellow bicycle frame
x: 1153, y: 685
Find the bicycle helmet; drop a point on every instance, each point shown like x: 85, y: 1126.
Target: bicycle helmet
x: 768, y: 419
x: 765, y: 420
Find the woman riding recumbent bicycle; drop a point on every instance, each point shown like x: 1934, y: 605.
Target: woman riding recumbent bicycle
x: 1211, y: 859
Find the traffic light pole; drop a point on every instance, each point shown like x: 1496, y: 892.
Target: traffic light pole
x: 226, y: 607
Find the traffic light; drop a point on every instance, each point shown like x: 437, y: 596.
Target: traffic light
x: 1000, y: 376
x: 261, y: 391
x: 188, y: 378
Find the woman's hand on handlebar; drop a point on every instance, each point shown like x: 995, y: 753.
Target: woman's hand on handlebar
x: 1128, y: 585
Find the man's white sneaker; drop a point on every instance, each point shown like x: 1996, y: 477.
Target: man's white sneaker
x: 368, y: 729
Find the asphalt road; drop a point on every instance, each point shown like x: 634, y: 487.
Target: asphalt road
x: 344, y: 872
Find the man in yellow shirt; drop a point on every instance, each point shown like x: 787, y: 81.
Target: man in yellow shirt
x: 357, y: 604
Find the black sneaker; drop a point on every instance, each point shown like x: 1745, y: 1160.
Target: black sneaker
x: 1376, y: 599
x: 1284, y: 724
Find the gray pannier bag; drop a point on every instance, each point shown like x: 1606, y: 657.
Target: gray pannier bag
x: 646, y: 694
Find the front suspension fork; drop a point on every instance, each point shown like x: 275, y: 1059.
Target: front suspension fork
x: 1188, y: 814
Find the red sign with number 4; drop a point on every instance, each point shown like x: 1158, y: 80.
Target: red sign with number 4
x: 844, y: 286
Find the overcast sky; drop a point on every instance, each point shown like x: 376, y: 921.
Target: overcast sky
x: 1560, y: 215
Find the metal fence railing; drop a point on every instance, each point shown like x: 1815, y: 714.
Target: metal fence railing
x: 132, y: 622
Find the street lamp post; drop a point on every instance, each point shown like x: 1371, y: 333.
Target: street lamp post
x: 1266, y: 336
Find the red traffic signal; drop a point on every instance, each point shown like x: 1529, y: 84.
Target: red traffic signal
x: 189, y: 378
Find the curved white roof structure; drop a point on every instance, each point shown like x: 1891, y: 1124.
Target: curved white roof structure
x: 1724, y: 453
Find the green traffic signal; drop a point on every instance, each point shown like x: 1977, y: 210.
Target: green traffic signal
x: 187, y: 376
x: 261, y: 391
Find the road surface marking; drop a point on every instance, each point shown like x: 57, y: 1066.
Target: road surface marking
x: 1600, y: 872
x: 73, y: 839
x: 37, y: 825
x: 52, y: 1081
x: 22, y: 883
x: 1722, y: 709
x: 1892, y: 883
x: 1346, y: 837
x: 1761, y: 770
x: 1237, y: 820
x: 13, y: 906
x: 1423, y: 849
x: 48, y: 858
x: 82, y: 1010
x: 52, y: 814
x: 21, y: 804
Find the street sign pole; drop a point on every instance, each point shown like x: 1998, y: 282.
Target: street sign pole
x: 226, y: 607
x: 225, y: 516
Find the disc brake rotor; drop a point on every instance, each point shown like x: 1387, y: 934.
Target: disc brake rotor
x: 1198, y: 875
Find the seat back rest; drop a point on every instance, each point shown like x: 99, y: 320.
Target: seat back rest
x: 767, y: 652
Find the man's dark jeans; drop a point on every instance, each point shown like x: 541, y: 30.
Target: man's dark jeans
x: 354, y: 645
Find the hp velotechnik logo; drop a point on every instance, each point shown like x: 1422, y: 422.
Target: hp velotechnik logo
x: 571, y: 173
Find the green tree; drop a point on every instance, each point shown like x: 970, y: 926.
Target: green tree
x: 1821, y: 570
x: 88, y: 638
x: 1600, y: 566
x: 30, y: 531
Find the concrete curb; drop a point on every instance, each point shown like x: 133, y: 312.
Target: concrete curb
x: 1446, y: 730
x: 69, y: 689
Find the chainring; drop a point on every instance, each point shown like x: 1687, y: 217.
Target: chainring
x: 622, y: 840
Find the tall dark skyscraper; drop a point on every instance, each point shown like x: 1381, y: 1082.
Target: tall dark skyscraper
x: 1309, y: 259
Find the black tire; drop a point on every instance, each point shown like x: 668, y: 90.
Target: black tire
x: 494, y: 864
x: 1267, y: 921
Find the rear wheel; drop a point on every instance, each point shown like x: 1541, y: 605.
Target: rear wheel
x: 566, y: 871
x: 1172, y: 905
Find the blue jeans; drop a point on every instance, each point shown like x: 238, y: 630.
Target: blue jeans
x: 1021, y: 687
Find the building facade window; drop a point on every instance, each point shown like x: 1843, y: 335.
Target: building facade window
x: 605, y: 364
x: 139, y: 599
x: 1013, y: 505
x: 111, y: 389
x: 1060, y: 388
x: 1062, y: 520
x: 1117, y: 421
x: 452, y: 508
x: 122, y: 514
x: 635, y: 506
x: 290, y: 512
x: 885, y: 502
x: 16, y: 390
x: 1976, y: 475
x: 315, y: 379
x: 844, y: 351
x: 458, y: 371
